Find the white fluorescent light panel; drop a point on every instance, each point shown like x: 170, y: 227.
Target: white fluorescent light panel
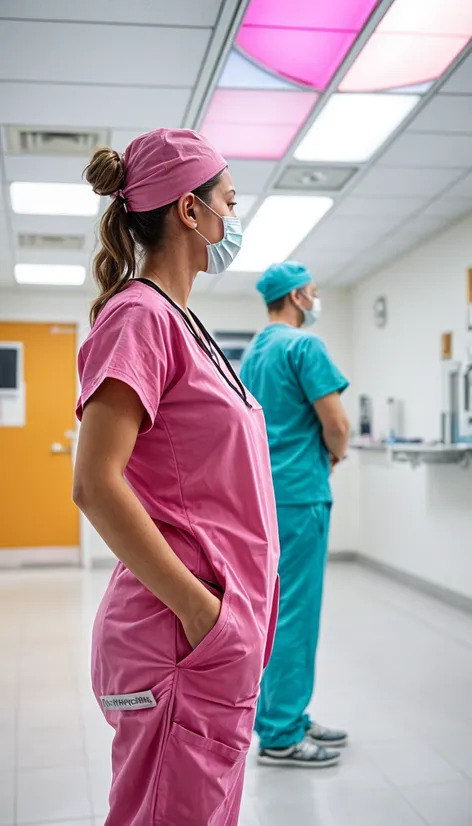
x: 53, y: 199
x: 57, y: 275
x: 352, y: 127
x: 278, y: 227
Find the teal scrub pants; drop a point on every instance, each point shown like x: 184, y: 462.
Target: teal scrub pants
x: 289, y: 679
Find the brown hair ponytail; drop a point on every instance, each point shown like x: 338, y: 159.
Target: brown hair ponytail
x: 115, y: 263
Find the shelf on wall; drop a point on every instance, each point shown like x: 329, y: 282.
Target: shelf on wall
x: 418, y: 454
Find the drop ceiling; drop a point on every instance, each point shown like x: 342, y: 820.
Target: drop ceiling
x: 126, y: 68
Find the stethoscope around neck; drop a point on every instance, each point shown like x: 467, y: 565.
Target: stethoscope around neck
x: 206, y: 343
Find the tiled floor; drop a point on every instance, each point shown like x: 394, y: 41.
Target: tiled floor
x: 395, y: 668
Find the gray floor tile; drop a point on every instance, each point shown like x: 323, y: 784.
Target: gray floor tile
x: 99, y: 776
x: 48, y: 795
x: 7, y: 798
x: 443, y: 804
x: 457, y: 750
x: 7, y: 749
x: 248, y: 816
x: 409, y: 763
x: 368, y: 808
x: 410, y: 723
x: 49, y: 747
x: 81, y: 822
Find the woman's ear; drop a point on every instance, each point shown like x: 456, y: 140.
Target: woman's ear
x: 187, y: 210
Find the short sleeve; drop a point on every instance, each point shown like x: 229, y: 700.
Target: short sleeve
x: 128, y: 343
x: 317, y: 375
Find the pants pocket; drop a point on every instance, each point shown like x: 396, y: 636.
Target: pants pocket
x: 201, y: 652
x: 200, y: 783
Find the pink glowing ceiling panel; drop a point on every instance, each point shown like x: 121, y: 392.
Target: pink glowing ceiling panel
x: 391, y: 60
x: 308, y: 14
x: 263, y: 143
x: 414, y: 43
x: 440, y: 17
x: 246, y: 123
x: 260, y: 107
x: 302, y: 40
x: 307, y: 57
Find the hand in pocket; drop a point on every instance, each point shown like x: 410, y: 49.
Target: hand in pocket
x: 203, y: 621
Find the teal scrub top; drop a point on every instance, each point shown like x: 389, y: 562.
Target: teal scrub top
x: 287, y: 370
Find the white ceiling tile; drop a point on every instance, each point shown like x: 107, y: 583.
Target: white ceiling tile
x: 6, y: 267
x: 37, y: 168
x: 462, y: 189
x: 23, y: 256
x: 348, y: 276
x: 324, y: 259
x: 321, y: 256
x: 6, y: 273
x: 250, y: 176
x: 139, y: 12
x: 444, y: 113
x: 372, y: 260
x: 398, y: 181
x: 244, y: 204
x: 82, y: 53
x: 418, y: 150
x: 53, y: 225
x: 449, y: 207
x: 461, y: 80
x: 352, y: 231
x: 373, y: 207
x: 102, y: 106
x: 323, y: 273
x: 3, y: 229
x: 120, y: 138
x: 339, y: 239
x: 424, y: 225
x: 387, y: 248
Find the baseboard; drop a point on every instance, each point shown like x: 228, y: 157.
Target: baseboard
x: 418, y: 583
x: 342, y: 556
x: 68, y: 556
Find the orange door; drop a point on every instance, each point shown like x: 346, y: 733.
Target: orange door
x: 36, y: 509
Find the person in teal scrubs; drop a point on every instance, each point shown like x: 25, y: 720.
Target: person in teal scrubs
x: 289, y: 371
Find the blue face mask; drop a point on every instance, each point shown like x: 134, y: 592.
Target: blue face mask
x: 223, y: 253
x: 312, y: 315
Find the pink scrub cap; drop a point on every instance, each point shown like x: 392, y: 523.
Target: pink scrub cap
x: 163, y: 165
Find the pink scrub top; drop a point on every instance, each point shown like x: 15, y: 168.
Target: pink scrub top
x: 201, y: 469
x: 200, y: 465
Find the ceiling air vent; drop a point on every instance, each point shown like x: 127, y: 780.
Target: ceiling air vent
x: 34, y: 140
x: 311, y: 178
x: 51, y: 242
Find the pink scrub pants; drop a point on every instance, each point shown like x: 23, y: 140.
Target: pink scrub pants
x: 179, y: 759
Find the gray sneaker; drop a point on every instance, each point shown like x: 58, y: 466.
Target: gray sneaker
x: 322, y: 736
x: 305, y: 755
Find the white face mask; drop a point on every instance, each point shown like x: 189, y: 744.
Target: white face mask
x: 222, y: 253
x: 312, y: 315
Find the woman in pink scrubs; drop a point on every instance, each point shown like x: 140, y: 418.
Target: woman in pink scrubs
x: 173, y: 471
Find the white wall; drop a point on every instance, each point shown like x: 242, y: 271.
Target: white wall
x: 335, y: 327
x: 419, y: 521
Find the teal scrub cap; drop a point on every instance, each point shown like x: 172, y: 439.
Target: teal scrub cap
x: 280, y: 279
